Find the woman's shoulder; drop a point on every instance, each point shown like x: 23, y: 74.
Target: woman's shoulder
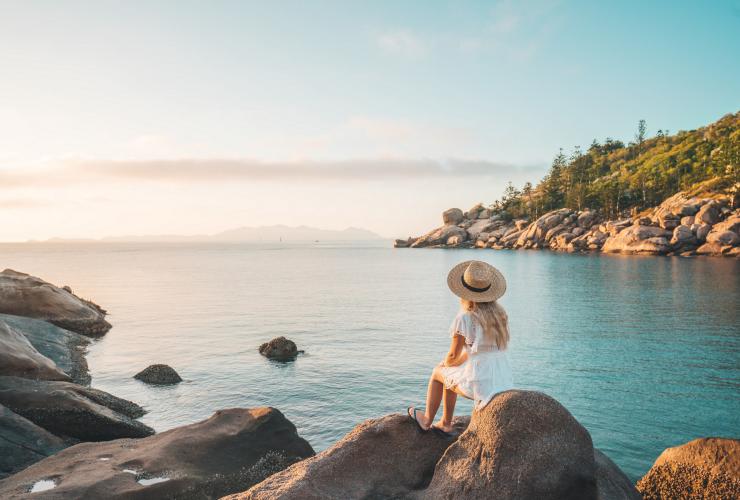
x: 465, y: 319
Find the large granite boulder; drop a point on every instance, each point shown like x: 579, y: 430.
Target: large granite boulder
x: 702, y: 468
x: 22, y: 443
x: 678, y: 205
x: 66, y: 349
x: 159, y: 375
x: 19, y: 358
x: 452, y: 216
x: 440, y: 236
x: 536, y: 232
x: 639, y: 239
x: 708, y: 213
x: 25, y: 295
x: 523, y: 444
x: 226, y: 453
x: 67, y: 409
x: 386, y: 457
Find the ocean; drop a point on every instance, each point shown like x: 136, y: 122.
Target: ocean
x: 643, y: 351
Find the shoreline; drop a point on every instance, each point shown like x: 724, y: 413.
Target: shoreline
x: 682, y: 225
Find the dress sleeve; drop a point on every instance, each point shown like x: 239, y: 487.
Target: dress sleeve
x: 463, y: 325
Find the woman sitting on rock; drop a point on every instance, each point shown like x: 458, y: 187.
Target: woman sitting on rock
x: 476, y: 366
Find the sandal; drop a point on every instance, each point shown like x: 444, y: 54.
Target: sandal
x: 411, y: 412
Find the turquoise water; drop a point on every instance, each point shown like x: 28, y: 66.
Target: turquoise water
x: 645, y: 352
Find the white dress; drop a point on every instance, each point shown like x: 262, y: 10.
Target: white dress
x: 486, y: 371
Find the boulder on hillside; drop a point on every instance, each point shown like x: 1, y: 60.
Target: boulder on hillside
x: 678, y: 205
x: 159, y: 375
x: 482, y: 226
x: 67, y: 409
x: 682, y: 235
x: 523, y: 444
x: 25, y: 295
x: 536, y: 232
x: 226, y: 453
x: 708, y: 213
x: 280, y: 349
x: 639, y: 240
x: 387, y: 457
x: 702, y: 468
x: 66, y: 349
x: 472, y: 214
x: 452, y: 216
x: 22, y: 443
x: 586, y: 219
x: 19, y: 358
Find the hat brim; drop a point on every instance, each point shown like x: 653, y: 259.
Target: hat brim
x: 455, y: 282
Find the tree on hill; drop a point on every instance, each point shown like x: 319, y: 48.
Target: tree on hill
x: 615, y: 178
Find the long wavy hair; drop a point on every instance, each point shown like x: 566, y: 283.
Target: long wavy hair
x: 493, y: 319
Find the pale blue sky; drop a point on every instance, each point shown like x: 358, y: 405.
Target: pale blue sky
x: 308, y: 88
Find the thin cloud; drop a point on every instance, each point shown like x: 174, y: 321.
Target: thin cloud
x: 228, y: 170
x: 403, y: 43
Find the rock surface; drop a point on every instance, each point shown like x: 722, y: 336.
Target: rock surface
x: 279, y: 348
x: 22, y: 442
x: 228, y: 452
x: 25, y: 295
x: 19, y: 358
x: 66, y: 349
x: 386, y: 457
x: 612, y: 483
x: 523, y: 444
x: 67, y: 409
x: 159, y: 375
x: 702, y: 468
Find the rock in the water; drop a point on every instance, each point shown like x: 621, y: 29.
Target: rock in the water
x: 66, y: 349
x: 280, y: 349
x: 19, y: 358
x: 22, y: 443
x: 226, y: 453
x: 702, y: 468
x: 158, y: 375
x: 386, y: 457
x: 67, y: 409
x: 522, y: 445
x: 452, y: 216
x: 25, y: 295
x: 612, y: 483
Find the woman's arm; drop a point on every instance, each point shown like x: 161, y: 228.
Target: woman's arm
x: 456, y: 355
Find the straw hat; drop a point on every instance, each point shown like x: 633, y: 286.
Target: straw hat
x: 477, y: 281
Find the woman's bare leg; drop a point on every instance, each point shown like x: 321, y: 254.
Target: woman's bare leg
x: 434, y: 396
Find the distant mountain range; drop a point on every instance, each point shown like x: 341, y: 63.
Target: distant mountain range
x: 266, y: 234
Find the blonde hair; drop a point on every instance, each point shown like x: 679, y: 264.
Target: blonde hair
x: 493, y: 320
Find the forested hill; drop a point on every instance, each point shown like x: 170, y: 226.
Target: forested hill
x: 616, y: 178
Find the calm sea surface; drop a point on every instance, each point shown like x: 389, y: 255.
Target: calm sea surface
x: 645, y: 352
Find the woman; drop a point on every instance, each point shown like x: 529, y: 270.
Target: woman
x: 476, y: 366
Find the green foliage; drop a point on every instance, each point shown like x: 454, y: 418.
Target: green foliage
x: 616, y: 178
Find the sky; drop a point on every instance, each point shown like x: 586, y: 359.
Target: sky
x: 191, y: 117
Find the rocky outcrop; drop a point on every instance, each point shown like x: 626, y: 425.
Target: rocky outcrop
x: 22, y: 443
x: 159, y: 375
x: 25, y: 295
x: 386, y: 457
x: 66, y: 349
x: 702, y: 468
x: 228, y: 452
x: 681, y: 225
x: 20, y: 359
x: 523, y: 444
x: 280, y: 349
x: 70, y: 410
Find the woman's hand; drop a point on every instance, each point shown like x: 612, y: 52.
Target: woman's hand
x: 457, y: 355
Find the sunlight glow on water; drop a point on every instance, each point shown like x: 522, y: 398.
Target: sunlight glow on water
x: 645, y: 352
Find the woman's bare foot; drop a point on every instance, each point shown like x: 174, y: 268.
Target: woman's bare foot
x: 444, y: 426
